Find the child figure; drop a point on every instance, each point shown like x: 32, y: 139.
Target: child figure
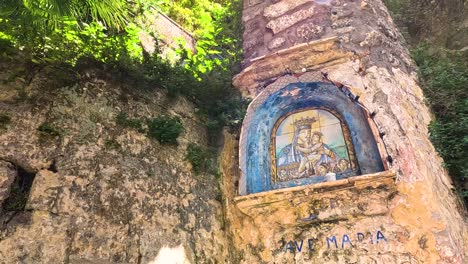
x: 314, y: 153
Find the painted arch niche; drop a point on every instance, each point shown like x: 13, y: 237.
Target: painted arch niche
x: 312, y: 143
x: 269, y: 154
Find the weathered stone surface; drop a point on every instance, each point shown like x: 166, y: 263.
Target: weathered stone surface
x: 287, y: 21
x: 7, y: 176
x: 252, y: 26
x: 340, y: 13
x: 305, y: 56
x: 282, y: 7
x: 252, y: 44
x: 104, y: 193
x: 341, y: 23
x: 252, y: 12
x: 44, y: 191
x: 344, y: 30
x: 276, y: 43
x: 305, y: 196
x: 43, y: 238
x: 309, y: 31
x: 373, y: 38
x: 248, y: 3
x: 335, y: 18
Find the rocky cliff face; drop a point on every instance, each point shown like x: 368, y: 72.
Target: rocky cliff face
x: 94, y: 191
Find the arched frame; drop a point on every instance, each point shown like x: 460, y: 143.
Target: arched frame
x: 255, y: 158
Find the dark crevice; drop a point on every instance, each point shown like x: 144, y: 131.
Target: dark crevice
x: 53, y: 166
x: 19, y: 191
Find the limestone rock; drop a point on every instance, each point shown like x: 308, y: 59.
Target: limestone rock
x: 252, y: 2
x: 341, y: 23
x: 344, y: 30
x: 276, y: 43
x: 286, y: 21
x: 248, y: 45
x: 372, y: 38
x: 45, y: 190
x: 340, y: 13
x: 309, y: 31
x: 103, y: 192
x: 282, y: 7
x: 364, y: 4
x: 42, y: 239
x: 249, y: 14
x: 7, y: 176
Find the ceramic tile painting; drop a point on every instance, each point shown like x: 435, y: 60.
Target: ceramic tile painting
x: 308, y: 144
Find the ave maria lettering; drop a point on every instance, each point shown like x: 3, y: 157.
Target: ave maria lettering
x: 335, y: 243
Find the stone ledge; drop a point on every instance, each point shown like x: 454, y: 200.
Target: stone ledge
x: 311, y: 55
x: 349, y: 193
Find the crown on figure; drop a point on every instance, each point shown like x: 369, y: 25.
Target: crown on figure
x: 304, y: 122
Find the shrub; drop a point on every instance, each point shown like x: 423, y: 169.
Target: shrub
x: 47, y: 129
x: 123, y: 120
x: 198, y: 157
x: 112, y: 144
x: 5, y: 119
x: 165, y: 129
x: 444, y: 78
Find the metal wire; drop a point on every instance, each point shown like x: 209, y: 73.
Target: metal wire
x: 355, y: 99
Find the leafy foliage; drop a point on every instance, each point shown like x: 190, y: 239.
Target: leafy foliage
x: 49, y: 13
x: 112, y: 144
x: 53, y: 31
x: 123, y: 120
x: 165, y: 129
x: 218, y: 32
x: 443, y: 74
x: 5, y: 119
x: 422, y: 20
x: 47, y: 129
x: 444, y: 78
x: 200, y: 158
x: 64, y: 31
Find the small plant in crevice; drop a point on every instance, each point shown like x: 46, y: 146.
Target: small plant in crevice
x: 48, y: 130
x: 5, y: 119
x: 200, y: 158
x: 123, y: 120
x: 150, y: 173
x: 165, y: 129
x: 112, y: 144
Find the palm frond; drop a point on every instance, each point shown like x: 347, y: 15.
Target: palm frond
x: 113, y: 13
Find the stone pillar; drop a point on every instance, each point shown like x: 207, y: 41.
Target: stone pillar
x: 406, y: 214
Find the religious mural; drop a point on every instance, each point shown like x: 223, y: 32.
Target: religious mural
x: 312, y: 143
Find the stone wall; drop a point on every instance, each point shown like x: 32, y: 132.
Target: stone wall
x: 361, y: 26
x: 101, y: 193
x: 414, y: 218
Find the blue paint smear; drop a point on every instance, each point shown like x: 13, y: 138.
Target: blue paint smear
x: 310, y: 95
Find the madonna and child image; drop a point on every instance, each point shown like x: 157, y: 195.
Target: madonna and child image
x: 312, y: 143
